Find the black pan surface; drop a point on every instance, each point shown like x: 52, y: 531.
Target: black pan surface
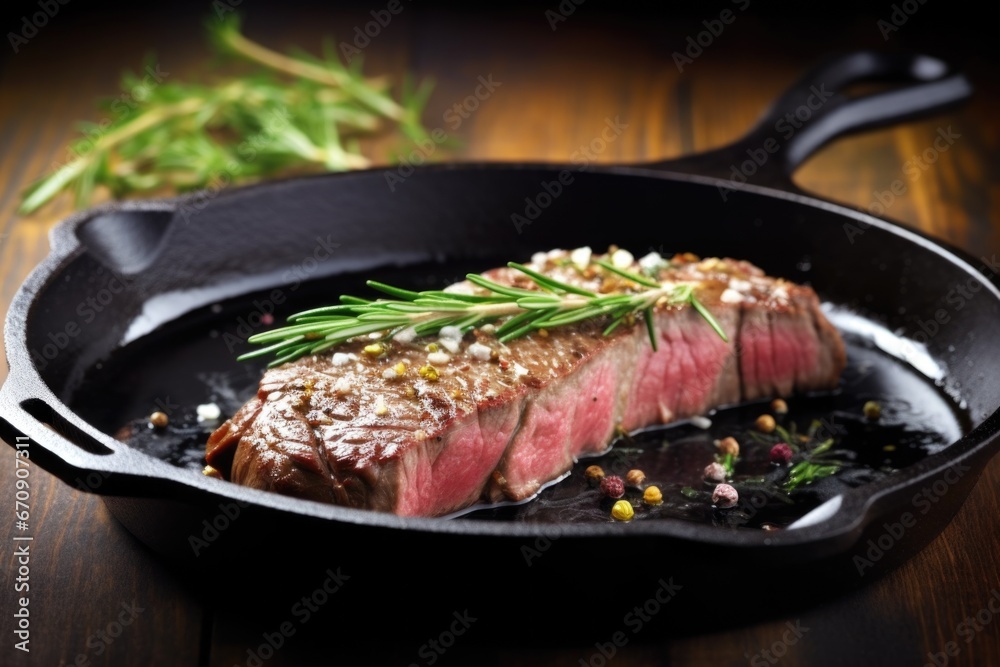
x: 150, y: 282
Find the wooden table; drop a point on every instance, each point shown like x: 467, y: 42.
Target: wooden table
x: 556, y: 89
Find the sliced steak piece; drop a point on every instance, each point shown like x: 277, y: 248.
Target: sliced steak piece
x: 363, y: 431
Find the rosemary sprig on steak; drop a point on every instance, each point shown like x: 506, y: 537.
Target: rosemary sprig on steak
x: 552, y: 303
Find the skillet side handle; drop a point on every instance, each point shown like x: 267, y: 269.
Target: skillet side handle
x: 62, y: 448
x: 814, y: 111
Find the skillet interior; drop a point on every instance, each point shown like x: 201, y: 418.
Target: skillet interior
x: 246, y: 239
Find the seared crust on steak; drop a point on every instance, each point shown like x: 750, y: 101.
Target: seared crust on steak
x: 374, y: 432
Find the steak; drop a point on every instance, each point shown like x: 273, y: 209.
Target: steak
x: 489, y: 422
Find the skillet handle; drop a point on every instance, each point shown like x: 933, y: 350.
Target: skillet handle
x: 814, y: 111
x: 65, y: 448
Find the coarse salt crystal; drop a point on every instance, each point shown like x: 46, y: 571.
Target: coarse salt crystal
x: 622, y: 259
x: 405, y: 335
x: 390, y: 374
x: 581, y: 257
x: 342, y: 386
x: 208, y: 412
x: 438, y: 358
x: 651, y: 261
x: 460, y: 288
x: 341, y: 359
x: 380, y: 407
x: 740, y: 285
x: 449, y: 344
x: 450, y: 333
x: 730, y: 296
x: 480, y: 351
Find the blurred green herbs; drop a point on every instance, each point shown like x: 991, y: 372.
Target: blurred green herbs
x: 283, y: 114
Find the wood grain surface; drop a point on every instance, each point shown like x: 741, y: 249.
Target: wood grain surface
x: 89, y: 576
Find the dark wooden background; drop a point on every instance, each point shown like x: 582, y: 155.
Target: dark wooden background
x: 556, y: 89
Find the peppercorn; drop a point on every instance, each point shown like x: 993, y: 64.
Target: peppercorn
x: 729, y: 446
x: 613, y: 486
x: 594, y: 472
x: 635, y: 477
x: 429, y: 373
x: 374, y: 349
x: 781, y: 453
x: 779, y: 407
x: 765, y: 424
x: 622, y: 511
x: 725, y: 496
x: 159, y: 419
x: 872, y: 410
x: 652, y: 495
x: 715, y: 472
x: 209, y: 471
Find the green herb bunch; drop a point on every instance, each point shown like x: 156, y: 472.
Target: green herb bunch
x: 552, y: 304
x: 282, y: 114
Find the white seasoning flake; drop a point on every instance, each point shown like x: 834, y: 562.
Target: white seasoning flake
x: 438, y: 358
x: 480, y: 351
x: 208, y: 412
x: 581, y: 257
x: 622, y: 259
x: 488, y: 329
x: 519, y: 370
x: 406, y: 335
x: 341, y: 359
x: 390, y: 374
x: 740, y: 285
x: 730, y: 296
x: 450, y: 333
x: 451, y: 345
x: 342, y: 386
x: 381, y: 408
x: 539, y: 259
x: 651, y: 261
x: 703, y: 423
x: 463, y: 287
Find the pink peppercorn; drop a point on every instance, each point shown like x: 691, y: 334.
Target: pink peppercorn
x: 725, y: 496
x: 781, y: 453
x: 613, y: 486
x: 714, y: 472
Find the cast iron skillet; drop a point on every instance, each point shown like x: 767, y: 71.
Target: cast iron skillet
x: 166, y: 262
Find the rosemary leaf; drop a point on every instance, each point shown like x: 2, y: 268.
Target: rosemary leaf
x: 280, y: 114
